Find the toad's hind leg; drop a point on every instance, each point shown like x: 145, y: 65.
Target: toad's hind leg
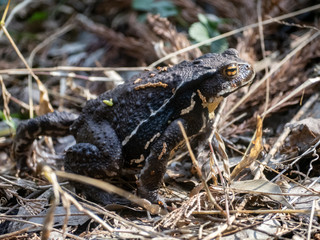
x: 98, y: 152
x: 99, y: 157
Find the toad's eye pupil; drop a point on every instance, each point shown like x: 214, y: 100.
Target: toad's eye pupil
x: 231, y: 70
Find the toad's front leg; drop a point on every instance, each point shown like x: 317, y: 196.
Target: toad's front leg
x: 156, y: 163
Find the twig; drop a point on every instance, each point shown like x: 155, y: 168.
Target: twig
x: 153, y: 208
x: 263, y: 50
x: 311, y: 218
x: 267, y: 211
x: 56, y: 70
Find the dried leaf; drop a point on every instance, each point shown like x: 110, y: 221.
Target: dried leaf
x: 255, y: 149
x: 264, y: 186
x: 304, y: 132
x: 44, y: 103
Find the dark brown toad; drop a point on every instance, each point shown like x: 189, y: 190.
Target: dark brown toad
x: 136, y: 124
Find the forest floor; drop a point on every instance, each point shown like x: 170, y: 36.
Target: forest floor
x: 260, y: 181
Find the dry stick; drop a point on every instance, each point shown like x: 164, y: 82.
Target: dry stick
x: 6, y: 96
x: 43, y: 215
x: 48, y: 220
x: 308, y: 9
x: 201, y: 229
x: 286, y: 130
x: 217, y: 118
x: 5, y: 14
x: 73, y: 75
x: 226, y: 164
x: 268, y: 211
x: 259, y: 7
x: 21, y: 103
x: 314, y: 194
x: 311, y: 218
x: 152, y: 208
x: 58, y: 69
x: 224, y: 184
x: 298, y: 25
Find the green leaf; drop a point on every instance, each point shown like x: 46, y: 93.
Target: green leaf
x: 198, y: 32
x: 203, y: 19
x: 206, y: 28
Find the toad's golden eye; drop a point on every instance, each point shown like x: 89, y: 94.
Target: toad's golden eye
x: 231, y: 70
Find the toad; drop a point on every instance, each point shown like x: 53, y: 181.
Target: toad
x: 136, y: 124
